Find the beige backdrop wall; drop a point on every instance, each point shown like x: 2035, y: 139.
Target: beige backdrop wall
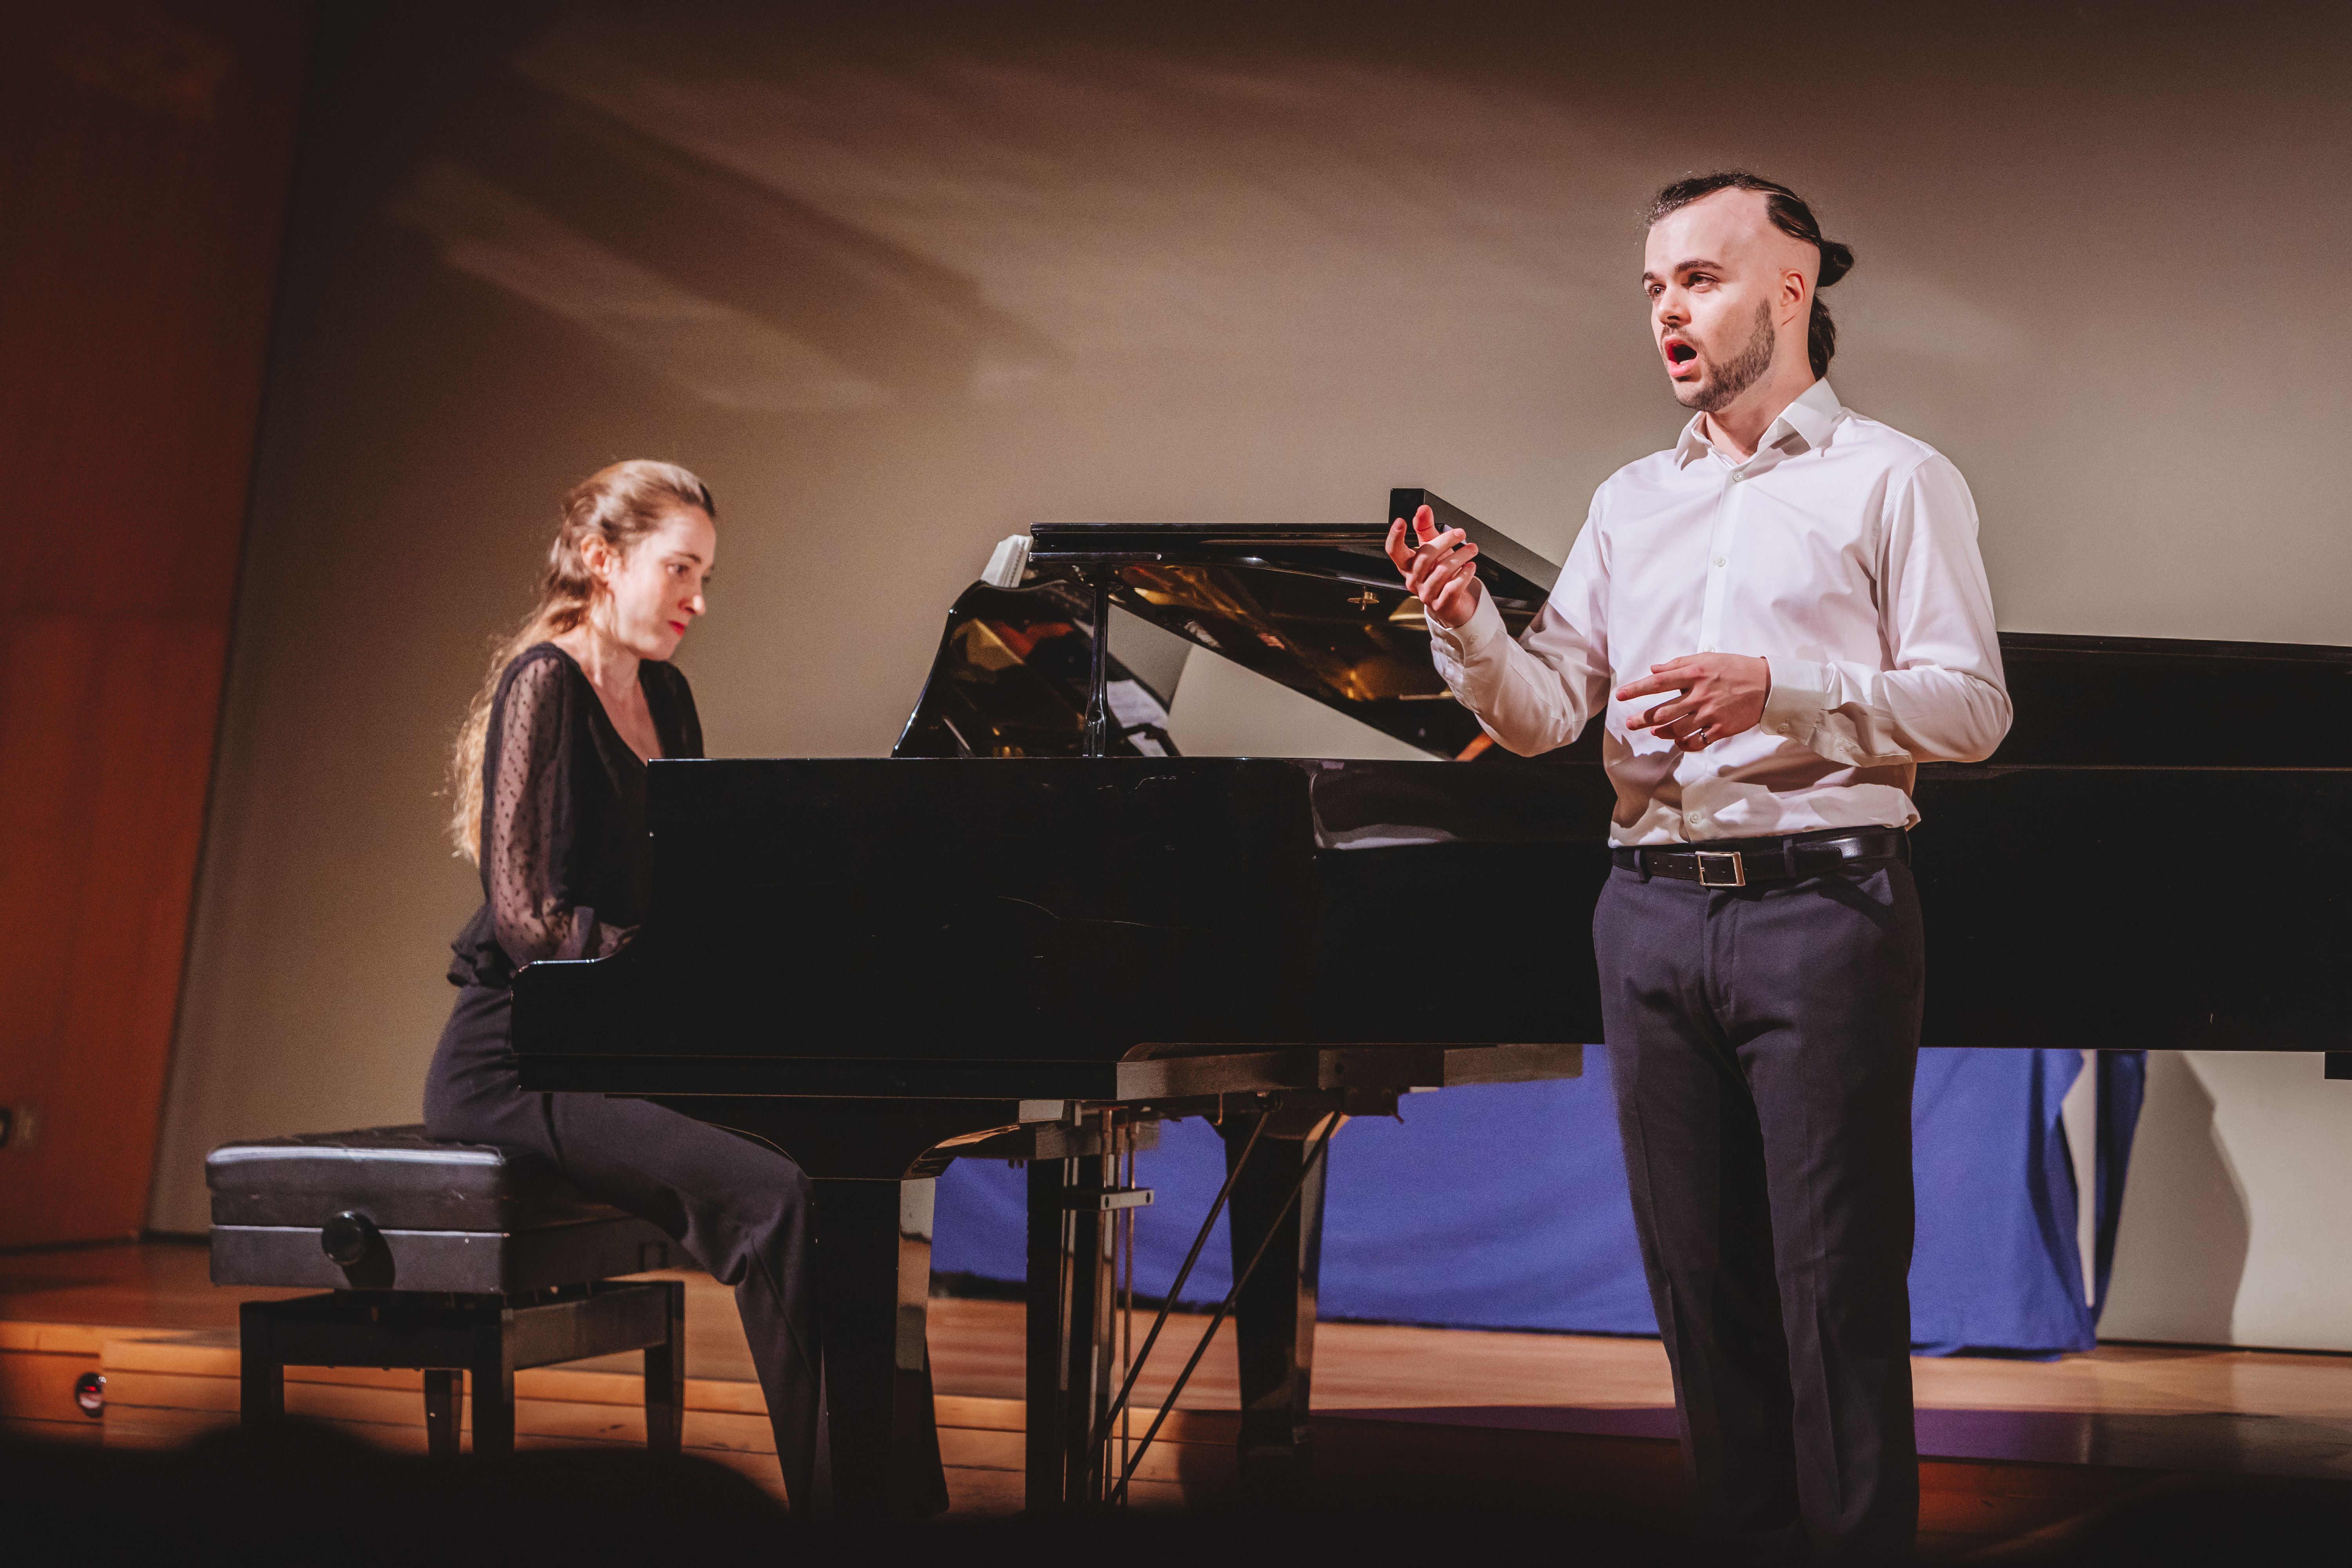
x: 898, y: 287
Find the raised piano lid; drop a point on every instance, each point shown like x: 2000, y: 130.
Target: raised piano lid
x: 1316, y: 607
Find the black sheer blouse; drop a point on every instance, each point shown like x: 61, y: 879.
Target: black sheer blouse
x: 566, y: 870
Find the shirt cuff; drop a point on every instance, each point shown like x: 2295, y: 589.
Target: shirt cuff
x: 1474, y: 635
x: 1799, y: 697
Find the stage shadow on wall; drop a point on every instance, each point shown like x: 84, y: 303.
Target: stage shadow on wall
x: 747, y: 298
x: 2181, y: 1251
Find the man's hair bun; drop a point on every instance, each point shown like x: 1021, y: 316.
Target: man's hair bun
x: 1837, y: 261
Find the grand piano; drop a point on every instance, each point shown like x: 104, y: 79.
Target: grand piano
x: 1035, y: 933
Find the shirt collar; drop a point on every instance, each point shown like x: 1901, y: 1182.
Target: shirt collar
x: 1808, y: 418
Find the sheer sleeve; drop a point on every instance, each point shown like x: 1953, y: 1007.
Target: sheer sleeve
x: 529, y: 835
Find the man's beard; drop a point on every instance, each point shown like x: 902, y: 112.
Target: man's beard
x: 1743, y: 371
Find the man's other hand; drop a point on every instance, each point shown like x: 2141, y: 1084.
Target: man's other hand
x: 1718, y: 695
x: 1441, y: 569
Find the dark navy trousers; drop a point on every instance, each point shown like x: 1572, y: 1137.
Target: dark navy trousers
x: 1763, y: 1041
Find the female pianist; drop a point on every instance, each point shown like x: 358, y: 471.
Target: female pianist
x: 550, y: 784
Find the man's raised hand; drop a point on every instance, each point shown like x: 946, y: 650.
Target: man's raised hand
x: 1441, y: 569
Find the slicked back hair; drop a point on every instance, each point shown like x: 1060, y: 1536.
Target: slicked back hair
x: 1790, y: 214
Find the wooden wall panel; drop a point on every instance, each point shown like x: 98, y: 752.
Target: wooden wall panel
x: 147, y: 148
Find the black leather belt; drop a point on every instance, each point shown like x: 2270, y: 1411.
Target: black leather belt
x: 1743, y: 862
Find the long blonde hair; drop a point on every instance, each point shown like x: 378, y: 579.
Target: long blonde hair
x: 619, y: 505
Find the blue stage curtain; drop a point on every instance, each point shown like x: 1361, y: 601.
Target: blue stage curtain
x: 1504, y: 1207
x: 1997, y: 1266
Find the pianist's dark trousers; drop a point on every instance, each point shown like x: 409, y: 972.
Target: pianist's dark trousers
x: 739, y: 1208
x: 1763, y: 1040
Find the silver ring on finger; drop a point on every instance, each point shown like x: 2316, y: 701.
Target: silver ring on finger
x: 1699, y: 734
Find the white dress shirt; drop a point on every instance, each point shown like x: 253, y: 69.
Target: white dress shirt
x: 1844, y: 552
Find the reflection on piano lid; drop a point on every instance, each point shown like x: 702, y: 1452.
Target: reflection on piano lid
x: 1318, y: 608
x: 1011, y: 679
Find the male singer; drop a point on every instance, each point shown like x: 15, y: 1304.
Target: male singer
x: 1778, y: 619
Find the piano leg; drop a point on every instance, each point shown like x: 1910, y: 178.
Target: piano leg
x: 1088, y: 1381
x: 881, y: 1449
x: 1044, y: 1443
x: 1069, y: 1340
x: 1274, y: 1328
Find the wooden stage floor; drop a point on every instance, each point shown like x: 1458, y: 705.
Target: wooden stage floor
x: 2012, y: 1446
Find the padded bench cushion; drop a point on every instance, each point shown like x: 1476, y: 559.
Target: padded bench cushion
x: 462, y: 1217
x: 396, y: 1177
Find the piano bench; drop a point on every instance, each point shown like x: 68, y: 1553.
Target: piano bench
x: 452, y: 1259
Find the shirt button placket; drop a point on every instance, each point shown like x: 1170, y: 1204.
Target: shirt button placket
x: 1710, y: 627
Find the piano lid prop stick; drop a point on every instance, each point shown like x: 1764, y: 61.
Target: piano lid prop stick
x: 1099, y: 691
x: 1225, y: 1307
x: 1127, y: 1295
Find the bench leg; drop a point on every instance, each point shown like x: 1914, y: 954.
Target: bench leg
x: 441, y: 1393
x: 262, y: 1378
x: 494, y: 1393
x: 666, y: 1379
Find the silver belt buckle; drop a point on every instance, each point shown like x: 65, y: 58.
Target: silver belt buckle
x: 1714, y: 860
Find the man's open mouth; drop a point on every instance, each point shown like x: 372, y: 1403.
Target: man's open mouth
x: 1680, y: 353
